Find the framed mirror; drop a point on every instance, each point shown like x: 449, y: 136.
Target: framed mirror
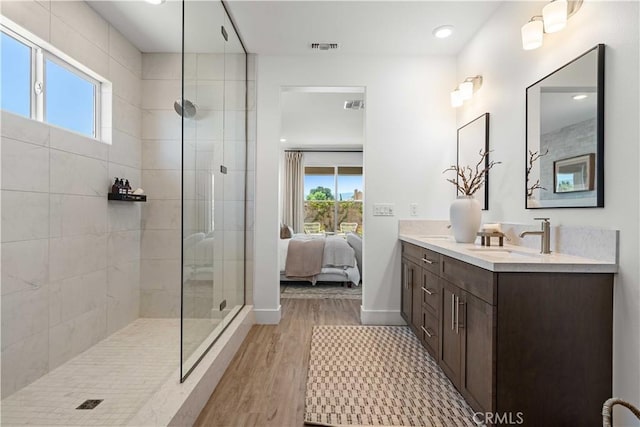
x: 472, y: 139
x: 565, y: 136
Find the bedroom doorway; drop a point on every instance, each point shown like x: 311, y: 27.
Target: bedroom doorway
x: 322, y: 193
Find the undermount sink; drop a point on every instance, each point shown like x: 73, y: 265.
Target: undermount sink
x: 504, y: 253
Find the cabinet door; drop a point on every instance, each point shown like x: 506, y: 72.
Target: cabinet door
x: 451, y: 348
x: 478, y: 349
x: 406, y: 290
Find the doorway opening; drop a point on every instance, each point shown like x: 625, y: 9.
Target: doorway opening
x: 322, y: 192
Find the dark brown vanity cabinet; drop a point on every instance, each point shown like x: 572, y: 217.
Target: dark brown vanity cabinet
x: 534, y: 344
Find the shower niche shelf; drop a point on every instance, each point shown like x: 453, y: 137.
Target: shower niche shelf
x: 128, y: 197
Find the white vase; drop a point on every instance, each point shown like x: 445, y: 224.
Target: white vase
x: 465, y: 214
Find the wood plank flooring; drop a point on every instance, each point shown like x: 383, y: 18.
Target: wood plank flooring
x: 265, y: 383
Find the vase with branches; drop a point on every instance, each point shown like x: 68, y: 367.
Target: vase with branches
x: 470, y: 179
x: 465, y: 212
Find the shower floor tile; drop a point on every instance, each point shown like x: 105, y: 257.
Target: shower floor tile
x: 124, y: 370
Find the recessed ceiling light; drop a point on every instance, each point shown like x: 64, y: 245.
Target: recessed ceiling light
x: 579, y: 97
x: 283, y: 140
x: 443, y: 32
x: 156, y: 2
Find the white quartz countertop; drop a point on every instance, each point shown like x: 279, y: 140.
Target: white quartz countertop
x: 509, y: 258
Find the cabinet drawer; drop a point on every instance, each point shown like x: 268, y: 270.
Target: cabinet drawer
x: 426, y: 258
x: 429, y: 333
x: 475, y: 280
x: 431, y: 292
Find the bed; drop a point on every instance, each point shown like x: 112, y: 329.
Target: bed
x: 340, y: 260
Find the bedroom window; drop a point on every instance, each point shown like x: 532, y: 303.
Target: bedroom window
x: 333, y: 197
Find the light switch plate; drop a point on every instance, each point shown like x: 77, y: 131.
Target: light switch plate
x: 383, y: 209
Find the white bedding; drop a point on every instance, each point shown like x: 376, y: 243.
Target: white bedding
x: 335, y: 254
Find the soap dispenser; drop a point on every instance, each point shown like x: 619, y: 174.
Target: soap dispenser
x: 115, y: 188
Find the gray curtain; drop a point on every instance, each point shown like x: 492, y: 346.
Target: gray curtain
x: 293, y: 190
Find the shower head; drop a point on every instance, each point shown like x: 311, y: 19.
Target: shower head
x: 185, y: 108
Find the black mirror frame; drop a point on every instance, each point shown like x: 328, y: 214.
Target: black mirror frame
x: 485, y: 116
x: 600, y: 49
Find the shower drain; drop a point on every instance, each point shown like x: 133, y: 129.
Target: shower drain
x: 90, y: 404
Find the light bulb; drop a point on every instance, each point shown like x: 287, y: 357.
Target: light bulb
x: 443, y: 32
x: 466, y: 90
x: 554, y: 16
x: 532, y: 33
x: 156, y: 2
x: 456, y: 98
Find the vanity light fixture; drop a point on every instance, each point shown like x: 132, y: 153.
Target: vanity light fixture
x: 155, y: 2
x: 554, y: 16
x: 532, y: 33
x: 553, y: 19
x: 456, y: 98
x: 580, y: 97
x: 464, y: 91
x: 443, y: 31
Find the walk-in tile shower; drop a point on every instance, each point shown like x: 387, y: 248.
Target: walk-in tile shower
x: 110, y: 301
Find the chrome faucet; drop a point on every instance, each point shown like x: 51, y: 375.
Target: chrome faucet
x: 545, y: 235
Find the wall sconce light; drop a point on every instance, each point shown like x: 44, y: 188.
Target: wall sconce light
x: 532, y: 33
x: 553, y: 19
x: 465, y: 90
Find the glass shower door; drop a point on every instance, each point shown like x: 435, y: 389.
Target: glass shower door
x: 213, y: 189
x: 203, y: 55
x: 235, y: 148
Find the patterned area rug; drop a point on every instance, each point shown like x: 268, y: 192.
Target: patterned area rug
x: 378, y: 375
x: 305, y: 290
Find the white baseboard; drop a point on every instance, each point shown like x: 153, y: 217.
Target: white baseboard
x: 267, y: 316
x: 381, y: 317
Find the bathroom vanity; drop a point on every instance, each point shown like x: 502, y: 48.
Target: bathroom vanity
x: 515, y: 331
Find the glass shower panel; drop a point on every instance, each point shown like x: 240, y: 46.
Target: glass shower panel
x: 202, y: 179
x: 235, y: 90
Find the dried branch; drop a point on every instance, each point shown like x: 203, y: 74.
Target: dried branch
x: 469, y: 180
x: 533, y: 157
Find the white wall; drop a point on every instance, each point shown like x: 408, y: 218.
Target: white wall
x: 70, y: 258
x: 496, y: 53
x: 410, y: 133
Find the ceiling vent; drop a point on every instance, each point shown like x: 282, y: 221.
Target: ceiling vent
x: 324, y: 46
x: 354, y: 105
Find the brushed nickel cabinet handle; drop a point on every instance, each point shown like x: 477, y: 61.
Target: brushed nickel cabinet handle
x: 457, y: 313
x: 428, y: 291
x: 427, y: 260
x: 426, y: 331
x: 453, y: 312
x: 406, y: 279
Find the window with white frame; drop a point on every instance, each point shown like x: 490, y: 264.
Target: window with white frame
x: 37, y: 83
